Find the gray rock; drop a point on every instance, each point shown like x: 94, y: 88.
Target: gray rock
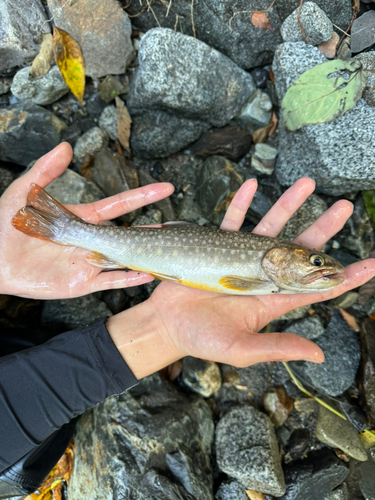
x: 202, y: 377
x: 260, y: 205
x: 186, y: 77
x: 298, y: 313
x: 231, y: 490
x: 90, y: 143
x: 339, y: 433
x: 74, y: 189
x: 158, y: 134
x: 152, y: 216
x: 20, y: 25
x: 150, y: 442
x: 310, y: 328
x: 368, y: 64
x: 5, y: 84
x: 367, y: 481
x: 342, y: 354
x: 338, y: 154
x: 257, y: 110
x: 311, y: 210
x: 189, y: 209
x: 340, y: 493
x: 102, y: 29
x: 69, y: 314
x: 265, y: 155
x: 108, y: 174
x: 316, y: 25
x: 252, y: 457
x: 43, y: 91
x: 362, y: 32
x: 27, y: 132
x: 108, y: 121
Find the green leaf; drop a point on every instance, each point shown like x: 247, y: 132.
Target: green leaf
x: 323, y: 93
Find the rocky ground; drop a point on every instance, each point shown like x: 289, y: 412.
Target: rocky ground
x: 203, y: 86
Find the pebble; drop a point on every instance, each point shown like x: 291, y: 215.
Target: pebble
x: 231, y: 490
x: 277, y: 405
x: 46, y: 90
x: 266, y: 156
x: 202, y: 377
x: 316, y: 25
x: 90, y: 143
x: 111, y: 87
x: 328, y: 49
x: 310, y: 328
x: 231, y: 142
x: 108, y: 121
x: 252, y: 457
x: 257, y: 110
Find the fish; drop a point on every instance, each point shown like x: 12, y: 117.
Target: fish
x: 195, y: 256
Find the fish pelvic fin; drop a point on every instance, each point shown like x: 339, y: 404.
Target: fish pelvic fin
x: 44, y: 217
x: 240, y: 284
x: 100, y: 260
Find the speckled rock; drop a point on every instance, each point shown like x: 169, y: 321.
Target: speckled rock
x: 368, y: 64
x: 311, y: 210
x: 257, y: 110
x: 90, y: 143
x: 231, y: 490
x: 72, y: 188
x: 277, y: 404
x: 202, y: 377
x: 43, y: 91
x: 108, y: 121
x: 151, y: 216
x: 310, y: 328
x: 252, y: 457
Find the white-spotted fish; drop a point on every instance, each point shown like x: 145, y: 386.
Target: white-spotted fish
x: 200, y: 257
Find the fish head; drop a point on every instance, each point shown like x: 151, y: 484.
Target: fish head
x: 298, y: 269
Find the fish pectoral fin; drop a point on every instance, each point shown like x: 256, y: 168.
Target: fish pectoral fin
x: 241, y: 284
x: 165, y: 277
x: 100, y: 260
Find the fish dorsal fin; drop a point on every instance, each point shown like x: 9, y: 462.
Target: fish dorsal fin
x: 99, y: 260
x: 240, y: 284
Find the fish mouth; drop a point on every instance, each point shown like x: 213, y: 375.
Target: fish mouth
x: 324, y: 276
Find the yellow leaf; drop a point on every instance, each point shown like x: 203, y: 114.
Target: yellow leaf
x: 69, y: 59
x: 124, y: 122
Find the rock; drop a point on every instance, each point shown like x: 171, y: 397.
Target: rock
x: 314, y: 477
x: 218, y: 23
x: 277, y: 405
x: 189, y: 210
x: 150, y: 442
x: 165, y: 206
x: 5, y: 84
x: 108, y: 121
x: 231, y: 142
x: 260, y: 77
x: 20, y: 34
x: 72, y: 188
x: 338, y: 154
x: 263, y: 159
x: 367, y: 481
x: 339, y: 433
x: 108, y: 174
x: 69, y: 314
x: 202, y: 377
x: 341, y: 349
x: 27, y: 132
x: 328, y: 49
x: 298, y: 313
x: 115, y: 299
x: 102, y: 29
x: 310, y: 328
x: 343, y: 50
x: 6, y: 179
x: 316, y: 25
x: 111, y: 87
x: 311, y: 210
x: 368, y: 64
x: 252, y: 458
x: 362, y: 33
x: 257, y: 110
x: 187, y: 78
x: 231, y: 490
x: 217, y: 181
x: 298, y: 445
x: 258, y: 208
x: 43, y: 91
x: 346, y: 300
x: 367, y: 371
x: 340, y: 493
x: 152, y: 216
x: 158, y: 134
x: 90, y: 143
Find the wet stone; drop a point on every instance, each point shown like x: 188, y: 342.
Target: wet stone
x: 277, y: 405
x: 202, y: 377
x: 367, y: 371
x: 260, y: 205
x: 353, y: 412
x: 231, y: 490
x: 150, y: 442
x: 257, y: 110
x: 310, y: 328
x: 231, y: 142
x: 115, y: 299
x: 152, y: 216
x: 46, y: 90
x: 27, y: 132
x: 342, y: 354
x: 340, y: 493
x: 252, y: 457
x: 314, y: 477
x: 108, y: 121
x: 298, y: 445
x: 316, y: 25
x: 90, y: 143
x: 367, y: 481
x: 72, y: 188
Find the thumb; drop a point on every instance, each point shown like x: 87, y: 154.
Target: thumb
x: 263, y: 347
x: 49, y: 166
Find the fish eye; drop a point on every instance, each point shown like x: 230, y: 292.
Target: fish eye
x: 316, y: 260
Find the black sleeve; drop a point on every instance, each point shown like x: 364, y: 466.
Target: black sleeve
x: 44, y: 387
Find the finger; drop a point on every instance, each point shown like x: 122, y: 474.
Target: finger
x: 264, y: 347
x: 238, y: 207
x: 49, y: 166
x: 276, y: 218
x: 119, y: 279
x: 122, y: 203
x: 326, y: 226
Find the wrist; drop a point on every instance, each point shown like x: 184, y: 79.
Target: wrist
x: 141, y: 340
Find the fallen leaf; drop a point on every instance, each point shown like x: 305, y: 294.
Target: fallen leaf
x: 350, y: 320
x: 69, y: 59
x: 368, y: 438
x: 255, y: 495
x: 124, y: 122
x: 274, y: 120
x: 328, y: 49
x: 261, y: 134
x: 260, y: 20
x: 323, y: 93
x: 42, y: 62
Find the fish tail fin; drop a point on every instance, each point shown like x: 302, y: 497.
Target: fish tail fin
x: 44, y: 218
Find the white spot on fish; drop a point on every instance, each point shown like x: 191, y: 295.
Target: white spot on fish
x: 242, y: 245
x: 197, y: 250
x: 243, y: 256
x: 232, y: 252
x: 174, y: 252
x: 139, y: 250
x: 216, y: 259
x: 158, y: 251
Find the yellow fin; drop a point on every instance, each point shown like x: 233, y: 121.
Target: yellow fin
x: 240, y: 284
x: 99, y: 260
x: 164, y: 277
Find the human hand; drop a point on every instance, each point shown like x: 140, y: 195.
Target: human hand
x: 41, y: 270
x: 178, y: 321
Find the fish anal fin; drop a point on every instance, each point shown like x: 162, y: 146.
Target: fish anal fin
x: 164, y: 277
x: 100, y: 260
x: 241, y: 284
